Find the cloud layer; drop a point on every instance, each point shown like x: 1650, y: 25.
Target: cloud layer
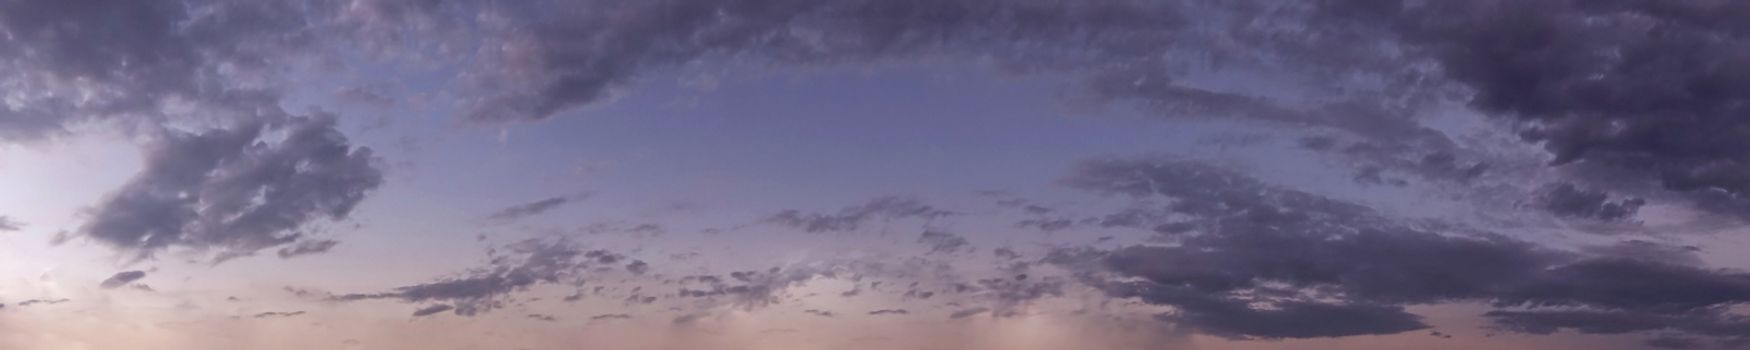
x: 1259, y: 261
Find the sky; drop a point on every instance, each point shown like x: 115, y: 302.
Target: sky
x: 874, y: 174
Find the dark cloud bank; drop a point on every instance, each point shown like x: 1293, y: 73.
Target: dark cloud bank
x: 1251, y: 260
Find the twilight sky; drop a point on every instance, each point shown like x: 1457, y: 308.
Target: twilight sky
x: 874, y: 174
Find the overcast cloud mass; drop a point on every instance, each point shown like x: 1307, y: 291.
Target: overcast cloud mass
x: 874, y: 174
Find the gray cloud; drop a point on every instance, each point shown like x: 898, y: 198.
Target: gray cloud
x: 853, y: 217
x: 1649, y: 251
x: 152, y: 67
x: 968, y: 313
x: 519, y: 211
x: 141, y: 56
x: 943, y: 242
x: 1311, y: 258
x: 278, y: 314
x: 637, y: 267
x: 1592, y: 85
x: 1673, y: 342
x: 1292, y: 319
x: 541, y: 317
x: 122, y: 279
x: 432, y: 310
x: 307, y: 247
x: 750, y: 289
x: 42, y: 301
x: 610, y: 317
x: 1567, y: 200
x: 1708, y: 324
x: 528, y: 264
x: 10, y: 224
x: 689, y: 319
x: 237, y: 190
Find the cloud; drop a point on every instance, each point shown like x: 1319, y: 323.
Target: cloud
x: 238, y: 190
x: 72, y: 62
x: 850, y: 218
x: 943, y: 242
x: 1590, y: 84
x: 10, y: 224
x: 43, y: 301
x: 1706, y: 324
x: 610, y: 317
x: 307, y: 247
x: 749, y: 290
x: 637, y: 267
x: 1259, y: 261
x: 889, y: 312
x: 122, y: 279
x: 529, y: 263
x: 1567, y: 200
x: 1672, y: 342
x: 1649, y: 251
x: 520, y: 211
x: 541, y: 317
x: 278, y: 314
x: 431, y: 310
x: 1293, y: 319
x: 1574, y: 83
x: 968, y: 313
x: 689, y: 319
